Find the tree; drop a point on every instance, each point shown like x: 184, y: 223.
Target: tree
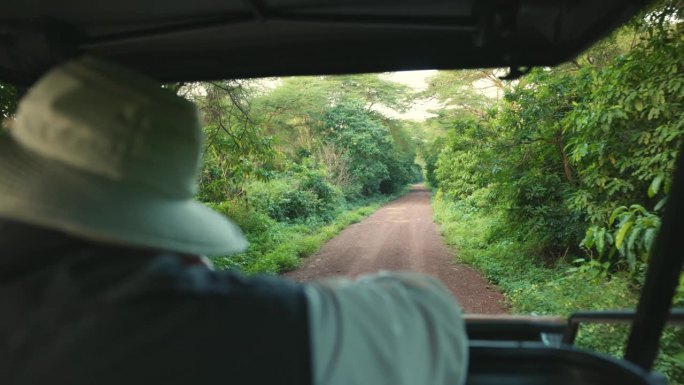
x: 626, y: 137
x: 235, y: 149
x: 367, y: 143
x: 589, y: 145
x: 460, y: 96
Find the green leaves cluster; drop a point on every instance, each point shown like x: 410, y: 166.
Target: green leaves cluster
x: 286, y: 158
x: 630, y: 233
x: 300, y: 194
x: 332, y: 119
x: 254, y: 128
x: 236, y: 148
x: 580, y: 156
x: 375, y: 164
x: 557, y: 192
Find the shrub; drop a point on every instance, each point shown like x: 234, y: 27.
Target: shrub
x: 532, y: 287
x: 250, y: 220
x: 282, y: 200
x: 299, y: 195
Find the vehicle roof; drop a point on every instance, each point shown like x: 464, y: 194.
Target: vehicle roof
x: 177, y: 40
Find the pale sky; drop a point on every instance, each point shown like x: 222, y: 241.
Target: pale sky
x: 418, y: 80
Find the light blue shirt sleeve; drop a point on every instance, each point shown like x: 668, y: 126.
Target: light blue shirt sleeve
x: 386, y: 329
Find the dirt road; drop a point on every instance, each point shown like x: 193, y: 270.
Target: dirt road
x: 402, y: 236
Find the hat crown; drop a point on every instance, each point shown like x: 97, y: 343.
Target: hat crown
x: 111, y: 122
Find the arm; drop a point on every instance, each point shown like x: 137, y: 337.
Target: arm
x: 390, y: 328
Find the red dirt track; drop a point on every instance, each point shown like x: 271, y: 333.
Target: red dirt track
x: 402, y: 236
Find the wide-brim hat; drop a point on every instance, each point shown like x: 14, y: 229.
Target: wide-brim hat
x: 106, y: 154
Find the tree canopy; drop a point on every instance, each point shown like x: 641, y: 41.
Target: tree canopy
x: 578, y: 156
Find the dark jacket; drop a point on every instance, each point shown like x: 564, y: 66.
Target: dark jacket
x: 78, y: 312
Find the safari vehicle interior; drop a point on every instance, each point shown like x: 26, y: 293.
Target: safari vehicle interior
x: 209, y: 39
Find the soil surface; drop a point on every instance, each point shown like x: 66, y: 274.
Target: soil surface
x: 402, y: 236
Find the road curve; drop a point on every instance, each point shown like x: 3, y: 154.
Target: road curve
x: 402, y: 236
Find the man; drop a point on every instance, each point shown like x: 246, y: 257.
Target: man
x: 101, y: 279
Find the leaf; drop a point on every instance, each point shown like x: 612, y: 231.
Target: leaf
x: 631, y: 261
x: 638, y: 209
x: 627, y: 217
x: 631, y: 240
x: 660, y: 204
x: 649, y: 236
x: 639, y: 105
x: 615, y: 214
x: 620, y: 237
x: 653, y: 113
x: 600, y: 240
x: 655, y: 186
x: 589, y: 239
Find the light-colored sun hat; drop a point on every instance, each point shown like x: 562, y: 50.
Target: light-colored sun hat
x: 106, y: 154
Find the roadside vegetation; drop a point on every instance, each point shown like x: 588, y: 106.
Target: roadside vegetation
x: 555, y: 190
x: 295, y: 160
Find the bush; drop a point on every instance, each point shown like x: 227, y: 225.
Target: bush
x: 531, y: 287
x: 276, y: 247
x: 296, y: 197
x: 537, y: 208
x: 313, y: 178
x: 250, y: 220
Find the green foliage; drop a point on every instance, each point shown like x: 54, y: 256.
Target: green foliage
x: 367, y: 143
x: 301, y: 194
x: 679, y: 295
x: 270, y: 141
x: 532, y: 287
x: 519, y: 150
x: 372, y: 89
x: 289, y: 188
x: 400, y: 169
x: 295, y: 110
x: 330, y: 119
x: 537, y: 176
x: 468, y: 160
x: 283, y: 201
x: 375, y: 161
x: 454, y: 89
x: 556, y: 194
x: 250, y: 220
x: 625, y: 137
x: 641, y: 105
x: 630, y: 234
x: 8, y: 100
x: 430, y: 155
x: 236, y: 150
x: 277, y: 247
x: 569, y: 146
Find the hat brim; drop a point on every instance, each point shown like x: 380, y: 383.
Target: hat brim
x: 39, y: 191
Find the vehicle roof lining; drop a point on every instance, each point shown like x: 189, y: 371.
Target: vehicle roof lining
x: 207, y: 39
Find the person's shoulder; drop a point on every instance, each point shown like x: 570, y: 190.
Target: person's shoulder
x: 188, y: 281
x: 194, y: 275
